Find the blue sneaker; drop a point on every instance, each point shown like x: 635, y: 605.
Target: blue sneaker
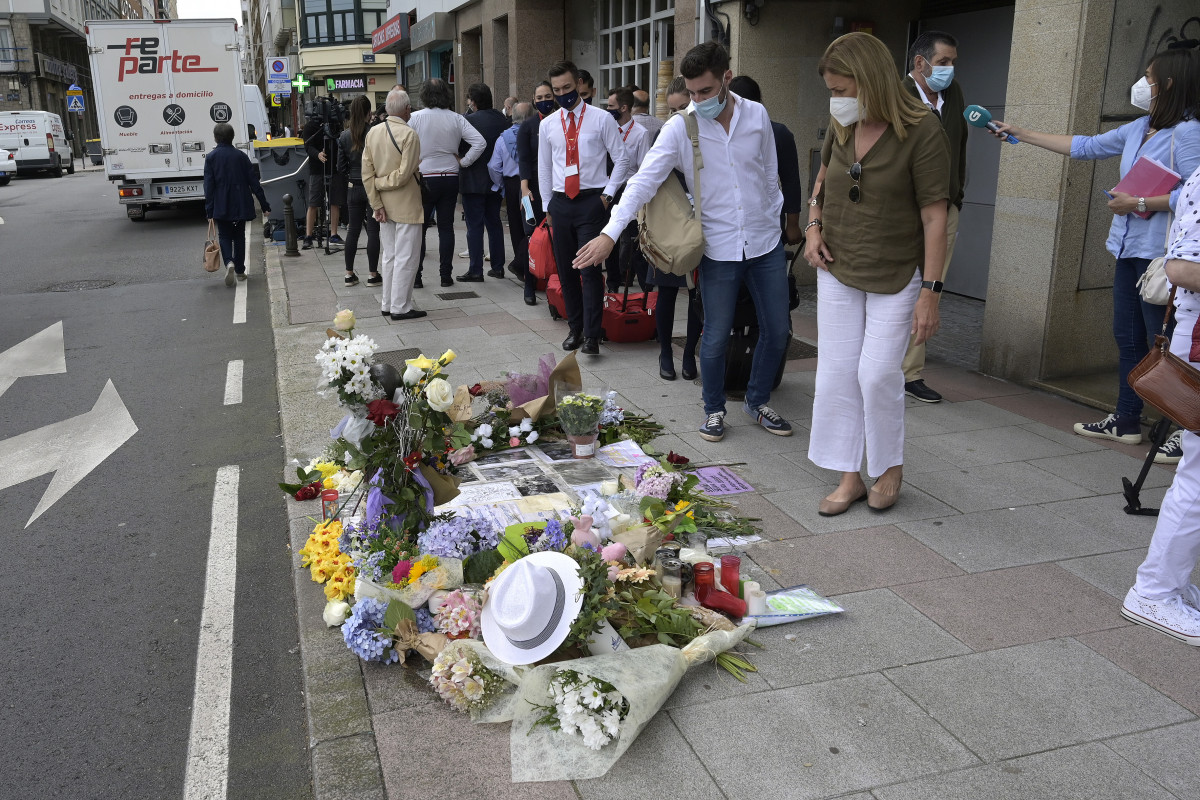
x: 1126, y: 430
x: 767, y: 417
x: 713, y: 429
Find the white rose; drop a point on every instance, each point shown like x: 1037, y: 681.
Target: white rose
x: 609, y: 487
x: 439, y: 394
x: 484, y: 430
x: 335, y: 613
x: 343, y: 320
x: 532, y: 437
x: 412, y: 375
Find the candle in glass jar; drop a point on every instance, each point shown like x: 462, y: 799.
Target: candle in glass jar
x: 329, y: 504
x: 702, y: 576
x: 730, y: 566
x: 671, y: 581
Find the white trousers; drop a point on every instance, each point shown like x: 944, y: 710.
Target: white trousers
x: 401, y: 252
x: 859, y: 398
x: 1175, y: 547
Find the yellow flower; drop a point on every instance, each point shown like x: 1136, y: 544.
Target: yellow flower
x: 421, y: 363
x: 329, y: 483
x: 425, y: 564
x: 447, y: 357
x: 326, y: 468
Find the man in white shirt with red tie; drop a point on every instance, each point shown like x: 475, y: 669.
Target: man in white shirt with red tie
x: 574, y: 145
x: 741, y: 202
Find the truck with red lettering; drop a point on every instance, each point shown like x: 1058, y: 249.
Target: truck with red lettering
x: 161, y: 87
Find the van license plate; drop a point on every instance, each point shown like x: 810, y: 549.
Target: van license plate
x: 182, y: 189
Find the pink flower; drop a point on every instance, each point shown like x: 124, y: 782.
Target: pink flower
x: 613, y: 571
x: 614, y: 551
x: 514, y: 441
x: 400, y: 571
x: 463, y: 455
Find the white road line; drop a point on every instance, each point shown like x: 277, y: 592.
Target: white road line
x: 207, y: 776
x: 239, y: 303
x: 233, y: 382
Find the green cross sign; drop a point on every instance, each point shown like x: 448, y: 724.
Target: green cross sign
x: 300, y: 83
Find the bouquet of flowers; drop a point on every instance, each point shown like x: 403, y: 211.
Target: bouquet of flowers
x: 327, y: 563
x: 460, y: 678
x: 584, y: 706
x: 366, y: 635
x: 346, y: 370
x: 458, y: 615
x: 525, y: 387
x: 460, y: 536
x: 579, y: 413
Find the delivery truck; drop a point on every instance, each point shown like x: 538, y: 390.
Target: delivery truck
x: 161, y: 87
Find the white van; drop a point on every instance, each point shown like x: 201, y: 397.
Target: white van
x: 39, y: 140
x: 256, y: 113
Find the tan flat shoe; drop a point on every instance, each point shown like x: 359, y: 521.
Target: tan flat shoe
x: 831, y: 508
x: 878, y: 501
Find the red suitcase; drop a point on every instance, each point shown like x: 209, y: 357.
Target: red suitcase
x: 629, y: 317
x: 541, y: 253
x: 554, y: 298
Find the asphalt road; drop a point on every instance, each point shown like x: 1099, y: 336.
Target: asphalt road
x: 101, y: 596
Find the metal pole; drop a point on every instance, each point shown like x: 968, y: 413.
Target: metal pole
x: 289, y: 225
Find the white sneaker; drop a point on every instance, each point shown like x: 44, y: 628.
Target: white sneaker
x: 1171, y: 616
x: 230, y: 274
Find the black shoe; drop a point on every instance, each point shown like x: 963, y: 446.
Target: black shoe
x: 352, y: 280
x: 418, y: 284
x: 375, y: 280
x: 335, y: 239
x: 918, y: 390
x: 467, y: 277
x: 414, y: 314
x: 666, y: 369
x: 495, y: 273
x: 531, y: 301
x: 573, y: 340
x: 591, y: 346
x: 307, y: 243
x: 688, y: 371
x: 387, y: 313
x: 447, y: 281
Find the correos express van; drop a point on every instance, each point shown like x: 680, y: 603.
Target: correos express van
x: 39, y: 140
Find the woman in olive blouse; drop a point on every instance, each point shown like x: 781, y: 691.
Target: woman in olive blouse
x: 877, y: 237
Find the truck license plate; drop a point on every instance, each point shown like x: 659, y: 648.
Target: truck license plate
x: 182, y: 189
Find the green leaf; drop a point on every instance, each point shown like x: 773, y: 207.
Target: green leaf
x: 479, y: 567
x: 397, y: 611
x: 665, y: 639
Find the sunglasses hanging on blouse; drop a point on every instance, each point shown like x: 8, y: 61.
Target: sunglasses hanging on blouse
x: 855, y: 173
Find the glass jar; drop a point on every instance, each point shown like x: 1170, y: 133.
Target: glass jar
x: 724, y: 602
x: 329, y: 504
x: 704, y: 579
x: 730, y: 579
x: 670, y: 577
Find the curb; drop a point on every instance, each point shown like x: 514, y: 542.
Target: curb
x: 341, y: 740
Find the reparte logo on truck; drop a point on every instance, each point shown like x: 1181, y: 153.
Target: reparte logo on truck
x: 149, y: 61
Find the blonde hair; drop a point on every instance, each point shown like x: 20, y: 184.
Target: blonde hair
x: 881, y: 97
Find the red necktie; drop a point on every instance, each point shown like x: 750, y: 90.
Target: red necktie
x: 572, y: 180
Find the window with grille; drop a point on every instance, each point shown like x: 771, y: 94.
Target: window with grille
x: 637, y: 46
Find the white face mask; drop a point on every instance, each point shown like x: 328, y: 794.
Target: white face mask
x: 1140, y: 95
x: 845, y: 110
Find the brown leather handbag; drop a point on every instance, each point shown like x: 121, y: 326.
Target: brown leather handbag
x: 1167, y: 382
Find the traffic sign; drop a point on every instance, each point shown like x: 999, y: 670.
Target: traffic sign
x: 75, y: 103
x: 278, y: 77
x: 74, y: 91
x: 300, y: 83
x: 275, y: 101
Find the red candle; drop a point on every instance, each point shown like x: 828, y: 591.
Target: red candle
x: 704, y: 580
x: 329, y: 504
x: 729, y: 574
x: 724, y: 602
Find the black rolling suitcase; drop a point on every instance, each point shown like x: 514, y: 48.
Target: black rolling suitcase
x: 739, y: 353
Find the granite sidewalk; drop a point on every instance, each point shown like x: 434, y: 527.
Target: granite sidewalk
x: 982, y: 654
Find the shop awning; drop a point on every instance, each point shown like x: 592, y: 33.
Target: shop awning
x: 392, y: 37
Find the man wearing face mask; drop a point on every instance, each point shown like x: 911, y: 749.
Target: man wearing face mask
x: 587, y: 86
x: 573, y: 148
x: 637, y: 141
x: 931, y: 61
x: 741, y: 203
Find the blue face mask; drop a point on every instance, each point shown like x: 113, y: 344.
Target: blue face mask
x: 940, y: 79
x: 616, y: 114
x: 713, y: 106
x: 569, y: 99
x: 545, y: 107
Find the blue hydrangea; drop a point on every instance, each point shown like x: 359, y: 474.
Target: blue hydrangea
x: 425, y: 623
x: 366, y: 565
x: 459, y: 537
x: 362, y: 632
x: 552, y: 538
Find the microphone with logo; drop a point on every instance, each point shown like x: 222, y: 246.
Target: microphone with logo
x: 980, y: 117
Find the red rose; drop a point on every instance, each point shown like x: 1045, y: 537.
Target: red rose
x: 382, y: 411
x: 400, y: 571
x: 675, y: 458
x: 476, y: 390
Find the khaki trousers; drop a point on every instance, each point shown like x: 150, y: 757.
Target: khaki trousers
x: 914, y: 358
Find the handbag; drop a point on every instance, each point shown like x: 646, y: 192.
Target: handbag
x: 1152, y: 286
x: 426, y: 198
x: 669, y: 230
x: 1166, y: 381
x: 212, y: 249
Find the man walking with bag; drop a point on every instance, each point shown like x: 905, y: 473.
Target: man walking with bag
x: 574, y: 146
x: 739, y: 213
x: 389, y: 172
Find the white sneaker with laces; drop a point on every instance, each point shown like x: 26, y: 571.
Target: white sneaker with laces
x: 1171, y: 616
x: 230, y: 274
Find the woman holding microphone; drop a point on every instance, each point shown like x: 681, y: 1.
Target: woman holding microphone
x: 1170, y: 134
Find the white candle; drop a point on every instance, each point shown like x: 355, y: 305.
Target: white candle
x: 672, y: 585
x: 756, y: 602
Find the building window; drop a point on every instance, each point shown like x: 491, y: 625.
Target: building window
x: 338, y: 22
x: 8, y: 53
x: 637, y: 46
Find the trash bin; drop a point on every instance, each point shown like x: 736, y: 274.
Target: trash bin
x: 282, y: 170
x: 95, y: 153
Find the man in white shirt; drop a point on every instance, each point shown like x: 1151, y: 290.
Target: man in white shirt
x: 574, y: 145
x: 637, y: 142
x: 641, y: 113
x: 740, y: 205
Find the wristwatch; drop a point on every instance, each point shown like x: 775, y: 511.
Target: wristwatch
x: 933, y: 286
x: 812, y: 202
x: 1141, y: 205
x: 607, y: 198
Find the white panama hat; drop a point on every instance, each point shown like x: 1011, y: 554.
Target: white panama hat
x: 530, y: 607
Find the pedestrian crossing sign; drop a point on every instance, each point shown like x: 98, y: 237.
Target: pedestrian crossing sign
x: 75, y: 103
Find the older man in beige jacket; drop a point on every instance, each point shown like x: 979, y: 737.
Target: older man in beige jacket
x: 390, y: 158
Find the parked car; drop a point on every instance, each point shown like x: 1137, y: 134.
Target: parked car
x: 8, y: 166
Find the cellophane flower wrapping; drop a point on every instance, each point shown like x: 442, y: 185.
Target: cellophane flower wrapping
x: 447, y: 575
x: 503, y: 708
x: 523, y: 387
x: 646, y: 676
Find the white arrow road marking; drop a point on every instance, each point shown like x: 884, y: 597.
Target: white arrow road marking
x: 233, y: 382
x: 40, y: 354
x: 207, y: 776
x: 70, y: 449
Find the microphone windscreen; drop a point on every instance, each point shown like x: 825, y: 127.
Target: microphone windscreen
x: 977, y: 116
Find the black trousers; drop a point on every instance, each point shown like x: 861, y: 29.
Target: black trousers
x: 358, y: 216
x: 516, y: 226
x: 443, y: 198
x: 576, y: 222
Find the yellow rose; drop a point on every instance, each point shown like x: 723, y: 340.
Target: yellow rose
x: 447, y: 357
x: 343, y: 320
x: 422, y: 363
x: 439, y: 394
